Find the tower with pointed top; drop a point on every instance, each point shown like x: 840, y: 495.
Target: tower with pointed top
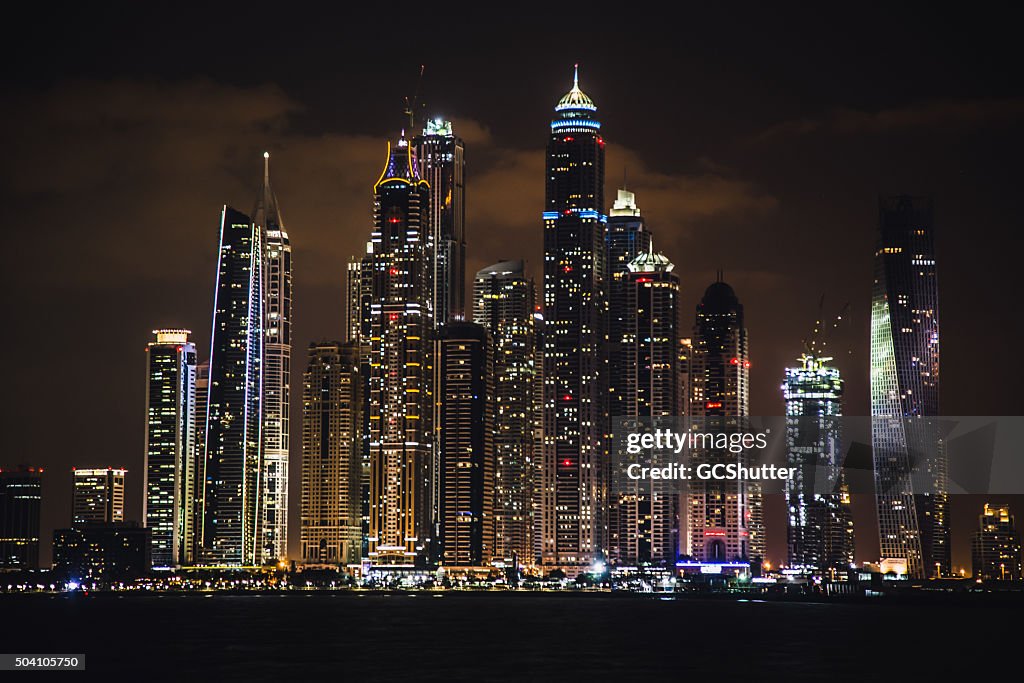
x: 400, y: 393
x: 277, y: 351
x: 644, y: 514
x: 574, y: 519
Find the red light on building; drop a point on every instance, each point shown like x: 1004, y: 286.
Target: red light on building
x: 567, y: 462
x: 644, y: 279
x: 714, y: 533
x: 568, y: 139
x: 567, y: 269
x: 746, y: 363
x: 735, y: 361
x: 567, y: 397
x: 713, y: 404
x: 392, y: 317
x: 394, y: 271
x: 394, y: 220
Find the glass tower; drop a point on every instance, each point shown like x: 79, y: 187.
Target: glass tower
x: 574, y: 525
x: 277, y: 359
x: 440, y: 155
x: 820, y: 525
x: 504, y: 303
x: 20, y: 498
x: 400, y: 400
x: 910, y: 468
x: 170, y: 444
x: 234, y: 443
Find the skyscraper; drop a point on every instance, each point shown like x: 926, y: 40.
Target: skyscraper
x: 358, y: 300
x: 192, y: 532
x: 644, y: 513
x: 440, y: 155
x: 97, y: 495
x: 331, y: 455
x: 20, y: 498
x: 464, y: 418
x: 400, y: 401
x: 995, y: 546
x: 169, y: 487
x: 503, y: 303
x: 908, y: 453
x: 725, y: 516
x: 574, y: 523
x: 820, y: 524
x: 277, y: 360
x: 234, y: 442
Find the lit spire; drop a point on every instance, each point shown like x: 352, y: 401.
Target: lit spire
x: 267, y: 212
x: 576, y: 76
x: 576, y: 98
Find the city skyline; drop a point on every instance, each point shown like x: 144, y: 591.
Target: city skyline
x: 692, y: 280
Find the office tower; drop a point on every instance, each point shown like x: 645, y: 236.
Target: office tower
x: 192, y: 531
x: 504, y: 302
x: 644, y: 514
x: 358, y: 299
x: 21, y: 491
x: 169, y: 486
x: 331, y: 455
x: 995, y: 546
x: 102, y: 552
x: 575, y: 379
x: 440, y: 155
x: 277, y: 361
x: 908, y: 453
x: 231, y: 509
x: 400, y: 392
x: 820, y: 524
x: 725, y: 516
x: 537, y: 504
x: 97, y: 496
x: 464, y: 419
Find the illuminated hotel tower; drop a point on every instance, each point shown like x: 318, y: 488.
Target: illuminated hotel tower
x: 574, y: 523
x: 504, y: 300
x: 725, y: 516
x: 908, y: 454
x: 464, y: 419
x: 277, y: 360
x: 820, y: 524
x: 331, y: 456
x: 97, y: 495
x: 995, y: 546
x: 169, y: 486
x: 231, y: 507
x: 400, y: 392
x: 644, y: 514
x: 440, y: 155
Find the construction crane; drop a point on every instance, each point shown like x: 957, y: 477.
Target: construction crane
x: 410, y: 105
x: 816, y: 343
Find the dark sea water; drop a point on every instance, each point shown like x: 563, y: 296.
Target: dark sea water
x: 508, y: 637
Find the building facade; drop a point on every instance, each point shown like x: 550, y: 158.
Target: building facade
x: 995, y: 546
x: 400, y: 401
x: 504, y: 302
x: 97, y: 495
x: 644, y: 513
x: 910, y: 464
x: 234, y: 442
x: 277, y: 361
x: 575, y: 478
x: 332, y: 476
x: 725, y: 516
x: 102, y: 553
x: 21, y: 494
x: 464, y: 420
x: 169, y: 486
x: 819, y: 529
x: 192, y: 530
x: 440, y: 155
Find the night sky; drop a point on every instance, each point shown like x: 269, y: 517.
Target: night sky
x: 757, y: 142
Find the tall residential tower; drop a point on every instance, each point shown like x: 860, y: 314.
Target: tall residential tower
x: 575, y: 475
